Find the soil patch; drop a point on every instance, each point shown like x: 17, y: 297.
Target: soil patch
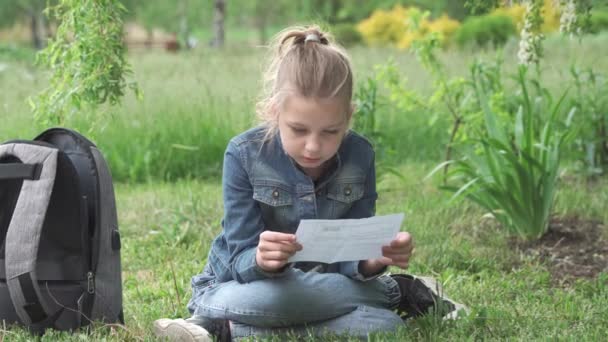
x: 572, y: 248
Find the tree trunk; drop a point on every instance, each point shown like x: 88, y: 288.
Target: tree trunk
x: 184, y: 28
x: 218, y: 23
x: 260, y: 20
x: 334, y: 9
x: 35, y: 30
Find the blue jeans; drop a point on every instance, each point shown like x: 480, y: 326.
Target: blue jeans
x: 301, y: 303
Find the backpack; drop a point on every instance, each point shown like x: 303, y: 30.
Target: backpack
x: 59, y: 239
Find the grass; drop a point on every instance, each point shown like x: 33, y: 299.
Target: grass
x: 511, y: 295
x: 166, y: 151
x: 195, y: 101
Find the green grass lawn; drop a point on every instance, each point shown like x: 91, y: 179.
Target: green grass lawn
x: 167, y: 229
x: 194, y: 102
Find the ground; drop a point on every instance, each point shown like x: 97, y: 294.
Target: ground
x: 573, y: 247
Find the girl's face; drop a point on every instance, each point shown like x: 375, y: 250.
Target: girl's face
x: 312, y: 129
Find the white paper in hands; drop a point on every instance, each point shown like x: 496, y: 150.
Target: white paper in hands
x: 332, y: 241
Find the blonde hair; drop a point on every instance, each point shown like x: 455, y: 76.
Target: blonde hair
x: 306, y: 61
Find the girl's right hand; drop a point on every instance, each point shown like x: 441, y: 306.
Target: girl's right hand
x: 274, y: 249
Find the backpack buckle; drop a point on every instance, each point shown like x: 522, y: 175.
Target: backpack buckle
x: 90, y: 283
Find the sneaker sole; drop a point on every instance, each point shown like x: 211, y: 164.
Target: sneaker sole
x: 179, y: 330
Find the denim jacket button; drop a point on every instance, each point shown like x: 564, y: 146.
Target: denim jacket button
x: 347, y: 191
x: 275, y: 194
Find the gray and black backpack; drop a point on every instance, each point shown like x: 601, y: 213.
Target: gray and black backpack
x: 59, y: 240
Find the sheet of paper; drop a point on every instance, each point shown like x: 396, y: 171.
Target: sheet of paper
x: 332, y: 241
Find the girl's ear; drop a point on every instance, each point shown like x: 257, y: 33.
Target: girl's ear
x: 274, y: 111
x: 352, y: 109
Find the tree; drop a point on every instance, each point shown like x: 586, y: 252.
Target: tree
x: 87, y: 59
x: 179, y: 17
x: 12, y: 11
x: 219, y: 15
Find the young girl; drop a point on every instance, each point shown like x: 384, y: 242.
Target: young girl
x: 303, y: 162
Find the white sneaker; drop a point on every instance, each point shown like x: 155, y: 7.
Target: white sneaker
x: 179, y: 330
x: 437, y: 290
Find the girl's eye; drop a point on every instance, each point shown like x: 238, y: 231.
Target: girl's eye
x: 332, y: 132
x: 298, y: 130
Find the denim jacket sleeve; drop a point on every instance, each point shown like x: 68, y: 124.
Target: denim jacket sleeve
x: 363, y: 208
x: 242, y: 221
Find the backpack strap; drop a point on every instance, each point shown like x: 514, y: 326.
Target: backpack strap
x: 25, y: 228
x: 20, y: 171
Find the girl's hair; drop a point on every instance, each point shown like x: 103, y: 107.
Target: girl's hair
x: 307, y: 62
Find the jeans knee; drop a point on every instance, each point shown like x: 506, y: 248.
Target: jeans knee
x: 378, y: 319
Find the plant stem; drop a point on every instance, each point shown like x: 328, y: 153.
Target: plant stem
x: 448, y: 148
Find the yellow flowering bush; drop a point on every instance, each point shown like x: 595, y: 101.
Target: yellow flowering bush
x: 392, y: 27
x: 445, y: 26
x: 384, y: 27
x: 551, y: 15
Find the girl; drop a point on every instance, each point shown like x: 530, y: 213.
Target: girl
x: 303, y: 162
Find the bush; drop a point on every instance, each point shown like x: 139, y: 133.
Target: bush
x: 347, y: 34
x: 384, y: 27
x: 599, y: 21
x: 393, y: 27
x: 485, y: 30
x: 551, y: 15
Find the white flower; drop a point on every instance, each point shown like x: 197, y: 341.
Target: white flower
x: 568, y: 22
x: 530, y: 42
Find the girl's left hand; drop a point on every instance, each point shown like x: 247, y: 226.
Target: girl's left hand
x: 397, y: 253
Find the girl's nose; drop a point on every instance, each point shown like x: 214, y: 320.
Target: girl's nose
x: 313, y: 145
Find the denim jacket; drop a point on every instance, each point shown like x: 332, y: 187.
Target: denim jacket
x: 264, y: 190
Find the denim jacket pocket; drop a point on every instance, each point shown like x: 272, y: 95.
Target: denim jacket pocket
x: 273, y: 195
x: 343, y: 193
x: 277, y: 205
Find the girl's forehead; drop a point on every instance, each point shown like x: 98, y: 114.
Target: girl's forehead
x: 314, y: 110
x: 297, y: 103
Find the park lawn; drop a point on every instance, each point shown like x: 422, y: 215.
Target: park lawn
x: 166, y: 151
x: 167, y: 229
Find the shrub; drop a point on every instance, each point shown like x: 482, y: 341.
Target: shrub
x: 485, y: 30
x: 347, y: 34
x: 511, y: 169
x: 599, y: 21
x: 444, y: 26
x: 384, y: 27
x: 393, y: 27
x: 551, y: 15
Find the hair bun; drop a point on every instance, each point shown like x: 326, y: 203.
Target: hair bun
x: 305, y: 35
x: 314, y: 35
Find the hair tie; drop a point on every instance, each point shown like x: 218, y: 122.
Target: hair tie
x: 312, y: 37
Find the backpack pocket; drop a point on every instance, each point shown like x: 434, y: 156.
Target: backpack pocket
x: 65, y: 298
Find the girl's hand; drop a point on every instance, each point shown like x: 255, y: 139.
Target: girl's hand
x: 397, y: 253
x: 274, y: 249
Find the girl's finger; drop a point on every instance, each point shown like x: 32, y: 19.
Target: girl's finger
x: 397, y: 257
x: 400, y: 250
x: 277, y: 246
x: 402, y: 239
x: 276, y: 255
x: 273, y: 264
x: 271, y: 236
